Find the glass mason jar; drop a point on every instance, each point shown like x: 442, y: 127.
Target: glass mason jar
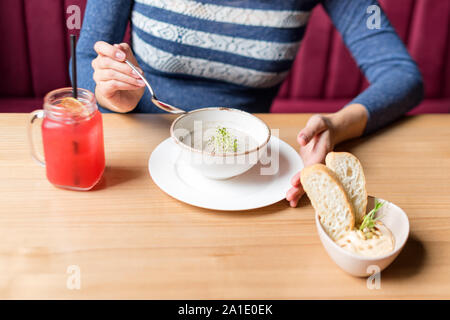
x: 72, y: 135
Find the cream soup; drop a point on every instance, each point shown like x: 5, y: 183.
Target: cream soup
x: 219, y: 139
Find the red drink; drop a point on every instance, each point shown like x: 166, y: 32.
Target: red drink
x: 74, y: 153
x: 72, y: 134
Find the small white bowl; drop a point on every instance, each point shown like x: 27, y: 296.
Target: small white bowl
x: 228, y: 165
x: 393, y: 218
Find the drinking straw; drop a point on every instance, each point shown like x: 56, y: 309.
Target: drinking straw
x: 75, y: 144
x: 73, y: 47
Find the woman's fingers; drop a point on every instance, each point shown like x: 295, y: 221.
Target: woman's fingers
x: 118, y: 87
x: 110, y: 70
x: 105, y: 49
x: 291, y: 193
x: 111, y: 74
x: 297, y: 196
x: 294, y: 194
x: 108, y: 63
x: 315, y: 125
x: 315, y: 142
x: 113, y: 57
x: 110, y: 87
x: 125, y: 47
x: 295, y: 181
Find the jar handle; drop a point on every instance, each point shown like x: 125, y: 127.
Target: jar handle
x: 38, y: 114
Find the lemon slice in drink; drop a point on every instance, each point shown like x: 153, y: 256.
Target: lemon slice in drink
x: 73, y: 106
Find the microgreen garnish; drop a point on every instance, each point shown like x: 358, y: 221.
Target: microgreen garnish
x: 369, y: 220
x: 222, y: 141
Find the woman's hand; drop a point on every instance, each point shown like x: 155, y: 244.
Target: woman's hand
x: 320, y: 136
x: 315, y: 140
x: 118, y: 88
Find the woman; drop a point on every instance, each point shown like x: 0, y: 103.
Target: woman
x: 236, y: 54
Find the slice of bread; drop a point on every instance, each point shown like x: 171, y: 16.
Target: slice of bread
x: 329, y: 199
x: 350, y: 172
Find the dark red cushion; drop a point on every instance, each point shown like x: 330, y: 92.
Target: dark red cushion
x: 20, y: 104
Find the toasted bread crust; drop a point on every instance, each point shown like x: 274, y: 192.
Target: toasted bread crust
x: 313, y: 169
x: 332, y: 160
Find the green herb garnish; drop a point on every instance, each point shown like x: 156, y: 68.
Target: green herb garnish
x: 222, y: 141
x: 369, y: 220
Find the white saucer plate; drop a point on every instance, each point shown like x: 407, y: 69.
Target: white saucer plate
x: 250, y: 190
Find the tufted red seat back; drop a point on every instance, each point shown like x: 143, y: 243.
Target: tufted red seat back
x: 35, y: 52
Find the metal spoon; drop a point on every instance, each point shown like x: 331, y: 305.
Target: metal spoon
x: 162, y: 105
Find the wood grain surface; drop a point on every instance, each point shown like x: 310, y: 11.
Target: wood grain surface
x: 131, y: 240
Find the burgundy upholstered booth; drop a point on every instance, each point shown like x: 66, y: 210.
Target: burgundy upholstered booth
x: 35, y: 50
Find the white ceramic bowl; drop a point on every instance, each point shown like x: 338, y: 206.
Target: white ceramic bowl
x: 226, y: 165
x: 392, y: 217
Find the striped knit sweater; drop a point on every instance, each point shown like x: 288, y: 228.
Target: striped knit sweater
x: 236, y: 53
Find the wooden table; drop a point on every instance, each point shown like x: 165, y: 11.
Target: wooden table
x: 131, y: 240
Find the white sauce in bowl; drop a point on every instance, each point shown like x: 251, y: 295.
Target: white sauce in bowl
x: 381, y: 242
